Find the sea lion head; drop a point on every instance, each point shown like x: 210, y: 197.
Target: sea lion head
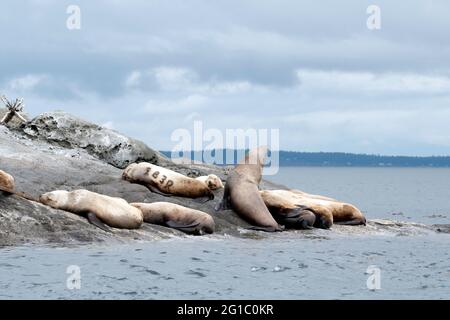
x: 213, y: 182
x: 54, y: 199
x: 256, y: 156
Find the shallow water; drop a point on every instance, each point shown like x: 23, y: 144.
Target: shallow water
x: 413, y: 260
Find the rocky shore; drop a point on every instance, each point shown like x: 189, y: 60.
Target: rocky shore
x: 56, y: 150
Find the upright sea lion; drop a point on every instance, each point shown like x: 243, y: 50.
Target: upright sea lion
x: 6, y: 181
x: 327, y: 211
x: 212, y: 181
x: 115, y: 212
x: 178, y: 217
x: 242, y: 194
x: 165, y: 181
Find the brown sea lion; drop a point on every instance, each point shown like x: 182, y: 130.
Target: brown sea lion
x: 99, y: 209
x: 165, y: 181
x: 327, y: 211
x: 178, y: 217
x: 242, y: 195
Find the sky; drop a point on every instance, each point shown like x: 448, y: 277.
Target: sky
x: 311, y: 69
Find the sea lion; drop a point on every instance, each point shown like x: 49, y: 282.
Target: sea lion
x: 312, y: 196
x: 342, y: 212
x: 212, y: 181
x: 6, y: 181
x: 115, y: 212
x: 242, y: 194
x: 327, y: 211
x: 165, y: 181
x: 178, y: 217
x: 287, y: 212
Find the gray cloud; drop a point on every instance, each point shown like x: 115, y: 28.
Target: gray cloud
x: 313, y: 70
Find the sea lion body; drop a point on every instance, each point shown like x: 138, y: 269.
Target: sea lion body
x: 312, y: 196
x: 212, y: 181
x: 6, y: 182
x: 166, y: 181
x: 115, y: 212
x: 175, y: 216
x: 287, y: 212
x: 242, y: 194
x: 327, y: 211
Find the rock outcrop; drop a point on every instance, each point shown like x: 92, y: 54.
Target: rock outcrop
x: 70, y: 132
x: 58, y: 151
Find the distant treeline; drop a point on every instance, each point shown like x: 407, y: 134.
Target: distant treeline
x: 336, y: 159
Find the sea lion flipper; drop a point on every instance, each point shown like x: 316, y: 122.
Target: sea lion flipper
x: 266, y: 229
x: 92, y: 218
x: 291, y: 213
x: 188, y: 228
x: 352, y: 222
x: 157, y: 191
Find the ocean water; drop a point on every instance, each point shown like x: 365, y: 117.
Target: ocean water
x: 397, y: 256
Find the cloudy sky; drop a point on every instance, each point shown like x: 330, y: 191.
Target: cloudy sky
x: 311, y: 69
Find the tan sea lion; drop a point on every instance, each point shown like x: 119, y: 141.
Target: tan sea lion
x: 327, y: 211
x: 242, y: 194
x: 178, y: 217
x: 165, y: 181
x: 115, y: 212
x: 312, y: 196
x: 212, y: 181
x: 6, y: 181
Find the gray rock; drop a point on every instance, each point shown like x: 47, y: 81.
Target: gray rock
x: 70, y: 132
x: 39, y: 166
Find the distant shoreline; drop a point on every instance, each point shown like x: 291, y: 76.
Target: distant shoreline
x: 341, y: 159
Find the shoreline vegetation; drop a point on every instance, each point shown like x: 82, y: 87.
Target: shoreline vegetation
x: 333, y: 159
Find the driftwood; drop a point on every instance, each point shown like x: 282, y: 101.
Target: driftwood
x: 13, y: 110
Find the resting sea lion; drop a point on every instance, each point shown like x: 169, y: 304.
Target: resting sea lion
x: 287, y: 212
x: 312, y: 196
x: 165, y: 181
x: 242, y: 194
x: 212, y: 181
x: 327, y: 211
x: 115, y: 212
x: 178, y: 217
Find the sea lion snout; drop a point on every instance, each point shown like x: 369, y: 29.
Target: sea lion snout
x: 48, y: 199
x: 214, y: 182
x: 54, y: 198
